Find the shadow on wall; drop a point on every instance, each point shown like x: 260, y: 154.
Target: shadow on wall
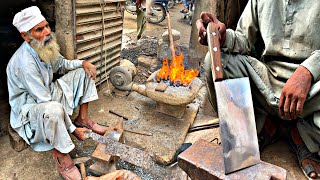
x: 10, y: 40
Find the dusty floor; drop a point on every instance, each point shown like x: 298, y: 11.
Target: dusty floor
x: 39, y: 165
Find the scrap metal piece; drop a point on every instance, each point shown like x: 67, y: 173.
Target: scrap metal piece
x: 203, y: 160
x: 132, y: 155
x: 121, y: 78
x: 203, y: 127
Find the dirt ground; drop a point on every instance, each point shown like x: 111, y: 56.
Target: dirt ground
x: 39, y: 165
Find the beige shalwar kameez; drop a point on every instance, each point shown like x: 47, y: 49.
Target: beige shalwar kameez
x: 290, y: 30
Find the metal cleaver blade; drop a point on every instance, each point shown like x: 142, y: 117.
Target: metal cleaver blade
x: 235, y: 111
x: 237, y: 124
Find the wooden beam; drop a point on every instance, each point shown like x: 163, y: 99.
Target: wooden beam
x: 197, y: 51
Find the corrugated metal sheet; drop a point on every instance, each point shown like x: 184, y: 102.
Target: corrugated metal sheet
x: 98, y: 30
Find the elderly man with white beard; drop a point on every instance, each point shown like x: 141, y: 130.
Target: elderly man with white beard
x: 40, y: 108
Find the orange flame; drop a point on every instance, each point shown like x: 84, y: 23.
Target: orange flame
x: 164, y: 71
x: 176, y: 73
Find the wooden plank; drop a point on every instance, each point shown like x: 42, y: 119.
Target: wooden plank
x: 98, y: 57
x: 86, y: 54
x: 97, y: 43
x: 93, y: 27
x: 98, y: 34
x: 93, y: 2
x: 89, y: 30
x: 97, y: 17
x: 102, y: 64
x: 91, y: 9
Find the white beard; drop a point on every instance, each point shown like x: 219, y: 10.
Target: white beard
x: 47, y: 51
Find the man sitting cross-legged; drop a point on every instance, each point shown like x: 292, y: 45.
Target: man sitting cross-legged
x: 40, y: 108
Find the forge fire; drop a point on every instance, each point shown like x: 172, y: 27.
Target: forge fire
x: 175, y: 72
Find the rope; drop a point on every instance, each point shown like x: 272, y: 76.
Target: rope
x: 102, y: 5
x: 100, y: 78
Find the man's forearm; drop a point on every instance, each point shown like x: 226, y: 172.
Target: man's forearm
x: 68, y: 65
x: 312, y: 64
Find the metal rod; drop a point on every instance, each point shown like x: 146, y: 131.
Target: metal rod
x: 203, y: 127
x: 141, y: 132
x: 138, y: 132
x: 117, y: 114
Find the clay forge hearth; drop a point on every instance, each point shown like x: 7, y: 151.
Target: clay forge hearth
x: 171, y: 100
x: 174, y: 99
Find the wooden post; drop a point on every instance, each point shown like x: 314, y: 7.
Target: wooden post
x: 197, y: 51
x: 65, y: 28
x: 233, y: 11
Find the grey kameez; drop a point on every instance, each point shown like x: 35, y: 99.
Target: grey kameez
x: 290, y: 31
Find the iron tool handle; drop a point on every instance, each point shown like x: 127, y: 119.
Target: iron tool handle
x: 214, y: 50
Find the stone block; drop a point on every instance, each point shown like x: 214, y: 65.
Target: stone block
x: 148, y: 62
x: 171, y: 110
x: 175, y: 34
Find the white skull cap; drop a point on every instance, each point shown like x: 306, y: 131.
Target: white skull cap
x: 27, y: 18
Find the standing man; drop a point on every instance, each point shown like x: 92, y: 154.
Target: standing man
x: 185, y: 7
x: 40, y: 108
x: 141, y: 19
x: 285, y: 81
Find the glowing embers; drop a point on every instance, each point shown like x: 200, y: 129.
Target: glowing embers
x: 176, y: 73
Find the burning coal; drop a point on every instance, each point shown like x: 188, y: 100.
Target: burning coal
x: 175, y: 72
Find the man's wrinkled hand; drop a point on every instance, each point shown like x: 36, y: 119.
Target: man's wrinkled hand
x: 90, y: 69
x: 294, y: 93
x: 202, y: 23
x: 79, y: 133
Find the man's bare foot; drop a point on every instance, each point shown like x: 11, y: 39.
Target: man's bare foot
x: 90, y: 125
